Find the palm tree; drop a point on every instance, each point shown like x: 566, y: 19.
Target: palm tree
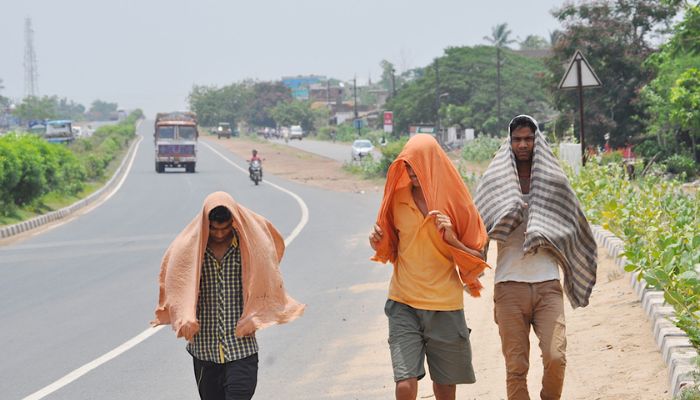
x: 500, y: 37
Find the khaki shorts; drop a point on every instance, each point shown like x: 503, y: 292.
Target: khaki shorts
x: 442, y: 336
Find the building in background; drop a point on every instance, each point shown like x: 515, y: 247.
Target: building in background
x: 299, y: 85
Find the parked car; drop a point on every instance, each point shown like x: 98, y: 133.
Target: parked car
x: 361, y: 148
x: 295, y: 132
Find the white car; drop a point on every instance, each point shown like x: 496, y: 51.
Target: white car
x: 295, y: 132
x: 361, y: 148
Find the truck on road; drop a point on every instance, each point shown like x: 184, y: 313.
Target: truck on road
x: 175, y: 138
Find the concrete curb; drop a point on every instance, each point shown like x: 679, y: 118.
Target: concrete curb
x: 673, y: 343
x: 21, y: 227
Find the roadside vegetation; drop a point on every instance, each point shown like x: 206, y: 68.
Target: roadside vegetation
x: 660, y: 225
x: 38, y: 177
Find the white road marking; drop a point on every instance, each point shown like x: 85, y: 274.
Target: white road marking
x: 88, y: 208
x: 304, y: 209
x: 77, y: 373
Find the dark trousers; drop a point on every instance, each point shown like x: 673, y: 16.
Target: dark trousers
x: 235, y: 380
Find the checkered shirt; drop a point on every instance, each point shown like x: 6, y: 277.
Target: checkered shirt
x: 219, y: 307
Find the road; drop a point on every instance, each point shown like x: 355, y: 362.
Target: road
x: 73, y: 293
x: 337, y: 151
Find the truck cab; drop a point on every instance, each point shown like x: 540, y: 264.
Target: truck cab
x: 175, y: 138
x: 59, y: 131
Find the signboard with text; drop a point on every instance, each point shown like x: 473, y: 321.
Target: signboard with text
x: 388, y: 121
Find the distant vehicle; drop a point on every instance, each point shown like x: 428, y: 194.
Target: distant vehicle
x: 361, y: 148
x: 77, y: 131
x: 295, y: 132
x: 256, y: 171
x: 224, y: 130
x: 175, y: 137
x: 59, y: 131
x: 37, y: 127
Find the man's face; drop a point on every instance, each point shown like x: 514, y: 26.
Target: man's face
x: 522, y: 142
x: 412, y: 175
x: 220, y: 232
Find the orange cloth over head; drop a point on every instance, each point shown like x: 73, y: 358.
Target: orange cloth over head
x: 265, y: 302
x: 445, y: 191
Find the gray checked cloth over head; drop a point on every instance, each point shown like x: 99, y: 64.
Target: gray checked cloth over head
x: 556, y: 221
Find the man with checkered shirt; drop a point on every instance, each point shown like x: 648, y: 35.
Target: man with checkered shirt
x: 219, y: 283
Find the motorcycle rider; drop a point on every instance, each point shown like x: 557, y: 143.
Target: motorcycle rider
x: 255, y: 157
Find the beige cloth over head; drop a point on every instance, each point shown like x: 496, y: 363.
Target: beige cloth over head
x: 265, y: 301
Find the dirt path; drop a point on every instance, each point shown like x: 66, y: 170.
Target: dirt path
x: 611, y: 353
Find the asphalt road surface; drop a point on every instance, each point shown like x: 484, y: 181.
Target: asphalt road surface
x: 72, y: 294
x: 337, y: 151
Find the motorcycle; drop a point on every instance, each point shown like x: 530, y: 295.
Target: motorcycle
x: 256, y: 171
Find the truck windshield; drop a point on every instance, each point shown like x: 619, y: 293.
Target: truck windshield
x: 166, y: 132
x: 187, y: 132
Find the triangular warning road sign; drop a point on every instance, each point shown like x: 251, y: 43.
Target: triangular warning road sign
x: 571, y: 79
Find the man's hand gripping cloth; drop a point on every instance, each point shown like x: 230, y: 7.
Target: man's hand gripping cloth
x: 265, y: 302
x: 445, y: 191
x: 556, y: 221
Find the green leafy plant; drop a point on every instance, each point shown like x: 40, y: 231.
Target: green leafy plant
x: 482, y: 148
x: 660, y: 225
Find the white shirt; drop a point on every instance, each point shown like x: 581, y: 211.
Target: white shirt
x: 516, y: 266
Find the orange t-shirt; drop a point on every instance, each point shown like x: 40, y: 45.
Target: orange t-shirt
x: 425, y: 276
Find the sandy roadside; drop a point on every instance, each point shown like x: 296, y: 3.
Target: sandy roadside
x: 611, y: 353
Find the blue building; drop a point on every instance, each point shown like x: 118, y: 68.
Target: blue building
x: 299, y: 85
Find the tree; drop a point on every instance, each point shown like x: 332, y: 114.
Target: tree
x: 225, y: 104
x: 680, y: 54
x: 685, y: 106
x: 102, y: 111
x: 264, y: 97
x: 500, y: 38
x: 468, y: 77
x: 4, y: 101
x: 68, y: 109
x: 388, y: 80
x: 36, y: 108
x: 614, y: 37
x: 294, y: 112
x: 534, y: 42
x: 554, y: 37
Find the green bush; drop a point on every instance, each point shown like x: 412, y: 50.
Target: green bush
x: 681, y: 164
x: 389, y: 154
x: 611, y: 157
x: 31, y: 168
x: 482, y: 148
x: 660, y: 225
x: 366, y: 167
x: 9, y: 175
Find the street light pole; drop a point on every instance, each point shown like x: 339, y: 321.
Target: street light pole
x: 354, y: 89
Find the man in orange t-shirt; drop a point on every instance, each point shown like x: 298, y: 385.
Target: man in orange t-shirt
x: 422, y: 233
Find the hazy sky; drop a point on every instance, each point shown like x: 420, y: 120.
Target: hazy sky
x: 149, y: 53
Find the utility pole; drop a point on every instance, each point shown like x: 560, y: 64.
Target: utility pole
x: 357, y: 118
x: 393, y: 82
x: 498, y: 83
x: 437, y: 102
x: 31, y: 73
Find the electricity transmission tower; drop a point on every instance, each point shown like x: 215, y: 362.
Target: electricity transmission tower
x: 31, y: 73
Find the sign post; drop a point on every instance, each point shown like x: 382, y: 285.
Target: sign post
x: 388, y: 122
x: 579, y: 74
